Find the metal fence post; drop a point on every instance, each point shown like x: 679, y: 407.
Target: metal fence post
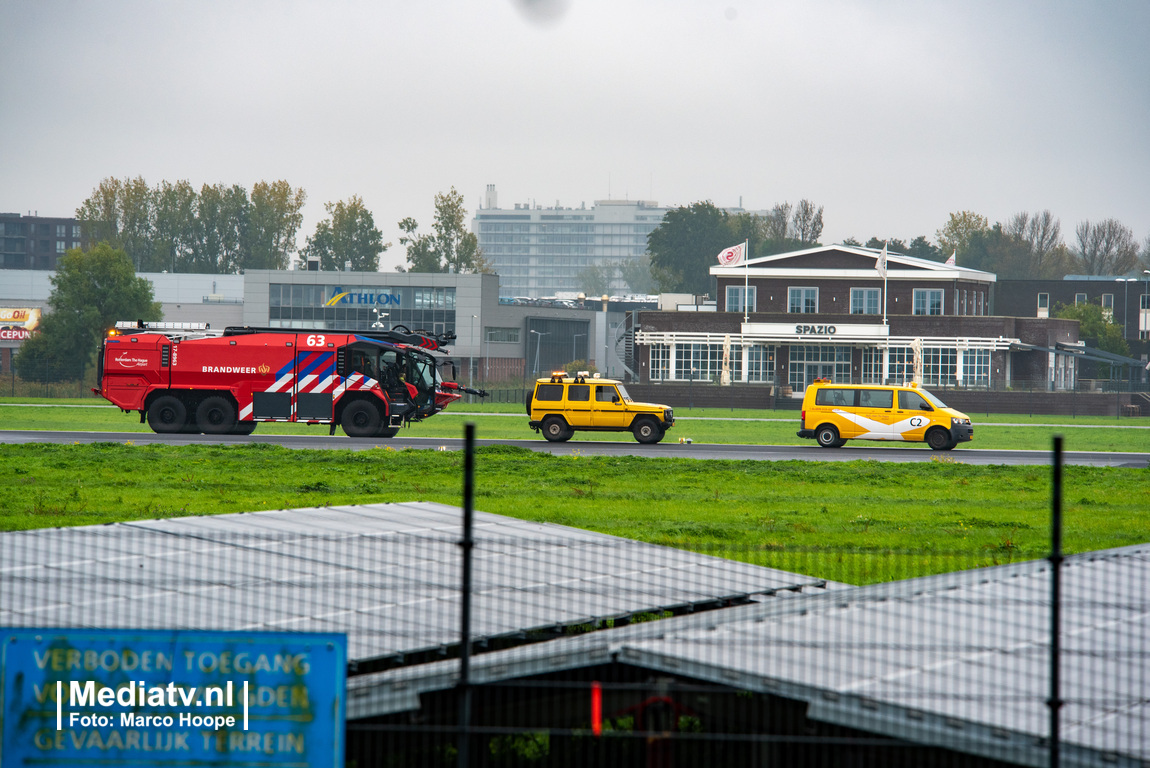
x: 468, y: 543
x: 1055, y: 702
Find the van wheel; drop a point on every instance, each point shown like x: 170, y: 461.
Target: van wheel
x: 216, y: 416
x: 167, y: 414
x: 828, y: 437
x: 647, y: 431
x: 939, y: 439
x: 360, y: 419
x: 556, y: 430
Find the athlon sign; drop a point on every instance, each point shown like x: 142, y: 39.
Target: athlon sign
x: 366, y: 296
x: 171, y: 698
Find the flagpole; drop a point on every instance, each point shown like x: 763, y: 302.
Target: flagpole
x: 884, y: 271
x: 746, y: 279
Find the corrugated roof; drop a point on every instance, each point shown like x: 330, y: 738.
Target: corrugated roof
x: 386, y: 574
x: 957, y: 660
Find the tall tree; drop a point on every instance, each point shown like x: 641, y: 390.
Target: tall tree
x: 1049, y: 258
x: 684, y: 246
x: 450, y: 247
x: 275, y: 219
x: 221, y: 229
x: 1105, y: 248
x: 121, y: 213
x: 892, y: 244
x: 996, y: 250
x: 173, y: 241
x: 958, y: 230
x: 808, y: 223
x: 1095, y: 328
x: 90, y: 292
x: 636, y: 273
x: 778, y: 222
x: 922, y: 248
x: 348, y: 237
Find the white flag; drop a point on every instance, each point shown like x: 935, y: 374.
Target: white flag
x: 880, y: 265
x: 733, y: 255
x: 950, y: 261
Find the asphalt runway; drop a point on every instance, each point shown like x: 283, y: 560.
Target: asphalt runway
x: 668, y: 448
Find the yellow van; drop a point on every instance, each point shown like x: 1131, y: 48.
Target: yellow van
x: 561, y: 405
x: 835, y: 413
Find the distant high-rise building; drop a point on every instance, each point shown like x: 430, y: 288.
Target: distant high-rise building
x: 541, y: 251
x: 36, y: 242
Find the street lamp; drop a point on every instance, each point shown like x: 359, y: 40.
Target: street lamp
x: 535, y: 369
x: 1144, y: 305
x: 605, y: 298
x: 471, y: 349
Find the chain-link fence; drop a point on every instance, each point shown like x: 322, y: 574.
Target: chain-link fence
x: 586, y: 649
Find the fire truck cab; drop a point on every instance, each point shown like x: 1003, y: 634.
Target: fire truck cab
x: 190, y: 379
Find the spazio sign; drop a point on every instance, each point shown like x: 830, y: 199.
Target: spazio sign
x: 816, y: 330
x: 171, y: 698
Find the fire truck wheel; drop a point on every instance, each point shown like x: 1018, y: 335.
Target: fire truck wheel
x: 243, y: 428
x: 388, y: 432
x: 167, y: 414
x: 360, y: 419
x: 216, y: 416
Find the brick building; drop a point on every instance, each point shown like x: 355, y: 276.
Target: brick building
x: 828, y: 312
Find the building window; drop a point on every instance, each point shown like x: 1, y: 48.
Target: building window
x: 660, y: 362
x: 61, y: 246
x: 1043, y: 305
x: 1108, y: 307
x: 704, y: 362
x: 61, y: 230
x: 939, y: 365
x: 803, y: 300
x: 976, y: 367
x: 818, y: 362
x: 735, y: 298
x: 760, y: 363
x: 1079, y: 298
x: 864, y: 301
x: 75, y: 230
x: 927, y: 301
x: 501, y: 335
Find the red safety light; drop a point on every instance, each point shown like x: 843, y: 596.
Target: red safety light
x: 596, y: 708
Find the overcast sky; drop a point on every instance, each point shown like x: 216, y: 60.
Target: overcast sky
x: 891, y: 115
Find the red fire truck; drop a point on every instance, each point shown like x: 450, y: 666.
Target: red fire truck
x: 184, y: 377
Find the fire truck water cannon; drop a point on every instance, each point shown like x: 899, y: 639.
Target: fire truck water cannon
x: 187, y: 377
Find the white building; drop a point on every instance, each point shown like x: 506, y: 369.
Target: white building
x: 541, y: 251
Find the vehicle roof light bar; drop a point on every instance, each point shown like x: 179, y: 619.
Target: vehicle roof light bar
x: 147, y: 325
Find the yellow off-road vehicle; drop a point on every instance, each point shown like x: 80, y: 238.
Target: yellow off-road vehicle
x: 561, y: 405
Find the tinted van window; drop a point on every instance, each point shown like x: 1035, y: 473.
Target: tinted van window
x: 839, y: 397
x: 579, y: 393
x: 913, y: 401
x: 876, y: 398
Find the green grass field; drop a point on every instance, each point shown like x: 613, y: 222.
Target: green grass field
x: 774, y: 513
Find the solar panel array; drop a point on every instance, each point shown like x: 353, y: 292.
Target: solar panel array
x: 959, y: 660
x: 388, y: 575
